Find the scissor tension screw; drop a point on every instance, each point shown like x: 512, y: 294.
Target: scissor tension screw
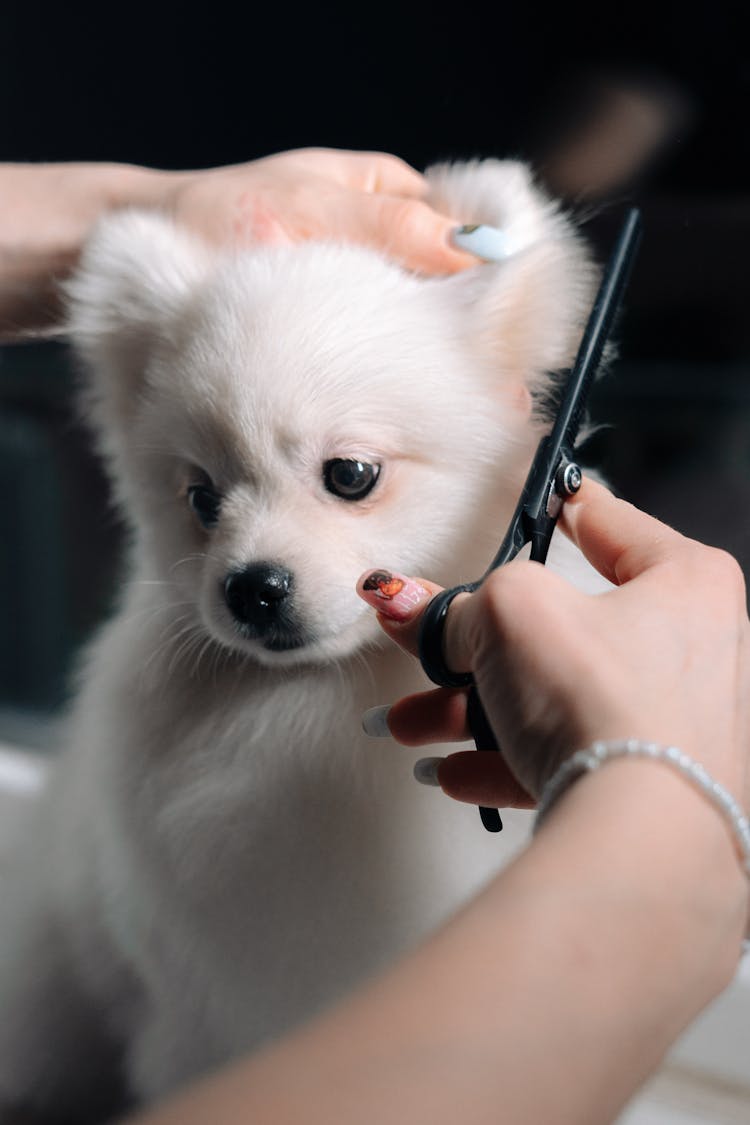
x: 568, y: 479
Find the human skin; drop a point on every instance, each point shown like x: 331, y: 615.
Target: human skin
x: 663, y: 657
x: 555, y: 993
x: 48, y: 210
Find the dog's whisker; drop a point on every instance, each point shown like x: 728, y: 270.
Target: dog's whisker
x: 149, y: 612
x: 220, y: 658
x: 182, y: 650
x: 193, y: 635
x: 201, y: 557
x: 170, y: 638
x: 148, y: 616
x: 206, y: 646
x: 365, y: 668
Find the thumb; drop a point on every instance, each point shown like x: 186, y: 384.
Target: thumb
x: 618, y: 539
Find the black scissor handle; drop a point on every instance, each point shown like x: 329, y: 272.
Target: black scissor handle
x: 431, y: 629
x: 484, y: 739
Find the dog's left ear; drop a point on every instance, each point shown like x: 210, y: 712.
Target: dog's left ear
x: 136, y: 274
x: 525, y: 313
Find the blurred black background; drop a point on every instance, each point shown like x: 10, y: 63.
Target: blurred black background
x: 642, y: 103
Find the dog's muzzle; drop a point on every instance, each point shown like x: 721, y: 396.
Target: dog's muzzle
x: 260, y: 600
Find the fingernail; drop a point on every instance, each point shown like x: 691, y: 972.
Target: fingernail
x: 391, y: 594
x: 489, y: 243
x: 426, y: 771
x: 375, y: 722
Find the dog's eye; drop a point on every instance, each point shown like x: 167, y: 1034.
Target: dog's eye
x: 351, y: 480
x: 205, y: 502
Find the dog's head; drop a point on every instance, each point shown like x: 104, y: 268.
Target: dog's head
x: 278, y: 420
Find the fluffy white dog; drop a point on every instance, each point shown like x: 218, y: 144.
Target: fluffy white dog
x: 220, y: 851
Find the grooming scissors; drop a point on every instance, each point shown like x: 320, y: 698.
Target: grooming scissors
x: 553, y: 477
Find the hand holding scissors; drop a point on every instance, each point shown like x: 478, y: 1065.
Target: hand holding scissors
x: 554, y: 475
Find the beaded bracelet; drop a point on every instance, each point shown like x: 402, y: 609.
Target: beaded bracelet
x: 600, y: 752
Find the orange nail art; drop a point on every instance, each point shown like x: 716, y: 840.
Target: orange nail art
x: 391, y: 594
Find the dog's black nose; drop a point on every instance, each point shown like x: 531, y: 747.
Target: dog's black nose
x: 256, y: 595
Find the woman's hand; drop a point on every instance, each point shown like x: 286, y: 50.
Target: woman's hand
x: 662, y: 657
x: 371, y: 199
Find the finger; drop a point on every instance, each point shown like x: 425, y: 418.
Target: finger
x: 384, y: 174
x: 399, y: 601
x: 371, y: 172
x: 618, y: 539
x: 480, y: 778
x: 485, y: 626
x: 408, y: 231
x: 429, y: 717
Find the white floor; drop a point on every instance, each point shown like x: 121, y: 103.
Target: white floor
x: 680, y: 1097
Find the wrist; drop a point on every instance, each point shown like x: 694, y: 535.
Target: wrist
x: 693, y: 773
x: 47, y: 211
x: 639, y: 835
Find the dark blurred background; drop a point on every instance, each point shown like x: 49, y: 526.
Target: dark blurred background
x: 643, y: 104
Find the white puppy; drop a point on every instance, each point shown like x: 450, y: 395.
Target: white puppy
x: 221, y: 851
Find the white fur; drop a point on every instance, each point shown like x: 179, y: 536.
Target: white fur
x: 221, y: 851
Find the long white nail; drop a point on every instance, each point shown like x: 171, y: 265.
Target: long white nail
x: 426, y: 771
x: 375, y: 722
x: 484, y: 242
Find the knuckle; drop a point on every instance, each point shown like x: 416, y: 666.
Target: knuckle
x: 728, y: 572
x: 503, y: 590
x: 714, y: 561
x: 518, y: 578
x: 407, y: 219
x: 720, y: 575
x: 391, y: 168
x: 386, y: 160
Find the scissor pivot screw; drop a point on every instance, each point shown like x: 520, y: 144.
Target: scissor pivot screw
x: 568, y: 479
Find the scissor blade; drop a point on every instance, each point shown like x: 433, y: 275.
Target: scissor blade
x: 532, y: 520
x: 598, y: 327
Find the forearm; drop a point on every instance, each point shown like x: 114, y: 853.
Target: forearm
x: 46, y: 212
x: 634, y: 906
x: 550, y: 998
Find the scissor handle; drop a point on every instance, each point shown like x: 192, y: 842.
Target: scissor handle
x: 484, y: 739
x: 431, y: 632
x: 431, y: 629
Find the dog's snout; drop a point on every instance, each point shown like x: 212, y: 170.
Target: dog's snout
x: 256, y: 594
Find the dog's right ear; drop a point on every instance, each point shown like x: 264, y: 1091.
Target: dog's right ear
x: 136, y: 274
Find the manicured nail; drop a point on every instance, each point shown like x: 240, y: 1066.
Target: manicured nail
x: 391, y: 594
x: 489, y: 243
x: 375, y: 722
x: 426, y: 771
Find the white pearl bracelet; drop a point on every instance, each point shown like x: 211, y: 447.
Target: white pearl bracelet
x: 600, y: 752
